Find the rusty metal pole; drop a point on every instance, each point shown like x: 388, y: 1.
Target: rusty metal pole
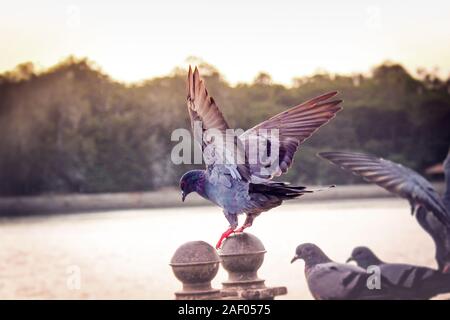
x: 242, y: 255
x: 195, y: 264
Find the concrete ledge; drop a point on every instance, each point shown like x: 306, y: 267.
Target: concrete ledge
x: 170, y: 197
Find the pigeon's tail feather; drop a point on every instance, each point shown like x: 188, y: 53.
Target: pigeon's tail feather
x: 322, y: 189
x: 281, y: 190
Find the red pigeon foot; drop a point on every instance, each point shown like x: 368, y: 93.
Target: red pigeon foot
x: 244, y: 226
x: 225, y: 235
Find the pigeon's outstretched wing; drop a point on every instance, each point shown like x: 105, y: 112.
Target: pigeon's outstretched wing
x: 220, y: 146
x: 201, y: 105
x: 285, y: 132
x: 394, y: 178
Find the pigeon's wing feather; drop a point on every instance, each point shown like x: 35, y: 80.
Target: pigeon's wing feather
x: 392, y: 177
x: 281, y: 135
x: 446, y: 197
x: 417, y: 282
x: 405, y: 275
x: 342, y: 281
x: 440, y: 234
x: 201, y: 105
x: 219, y: 145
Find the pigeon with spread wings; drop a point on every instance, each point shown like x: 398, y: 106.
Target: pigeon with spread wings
x: 236, y: 179
x: 430, y: 209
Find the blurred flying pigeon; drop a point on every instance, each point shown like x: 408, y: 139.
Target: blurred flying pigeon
x: 243, y: 184
x: 421, y: 282
x: 329, y: 280
x: 431, y: 211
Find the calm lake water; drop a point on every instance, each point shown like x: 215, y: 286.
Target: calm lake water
x: 125, y: 254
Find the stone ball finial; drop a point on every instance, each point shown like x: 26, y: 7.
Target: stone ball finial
x: 242, y: 255
x: 195, y: 264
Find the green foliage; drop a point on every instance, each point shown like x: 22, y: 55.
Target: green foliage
x: 73, y: 129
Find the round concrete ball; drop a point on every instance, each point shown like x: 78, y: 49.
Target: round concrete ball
x: 195, y: 262
x: 242, y: 252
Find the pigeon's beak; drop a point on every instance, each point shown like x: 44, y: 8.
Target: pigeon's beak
x: 349, y: 260
x: 183, y: 196
x: 294, y: 258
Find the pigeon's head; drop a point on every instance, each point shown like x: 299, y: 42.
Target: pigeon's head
x: 310, y: 253
x: 190, y: 182
x: 364, y: 257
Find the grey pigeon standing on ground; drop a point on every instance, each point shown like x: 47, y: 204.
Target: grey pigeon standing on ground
x: 430, y: 209
x: 420, y: 282
x: 329, y: 280
x: 244, y: 186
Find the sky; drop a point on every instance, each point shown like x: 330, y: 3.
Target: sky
x: 134, y: 40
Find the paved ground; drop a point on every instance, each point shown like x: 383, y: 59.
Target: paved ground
x: 125, y: 254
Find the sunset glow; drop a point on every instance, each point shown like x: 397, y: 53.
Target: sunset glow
x: 135, y: 40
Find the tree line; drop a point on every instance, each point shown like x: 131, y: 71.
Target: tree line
x: 72, y: 128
